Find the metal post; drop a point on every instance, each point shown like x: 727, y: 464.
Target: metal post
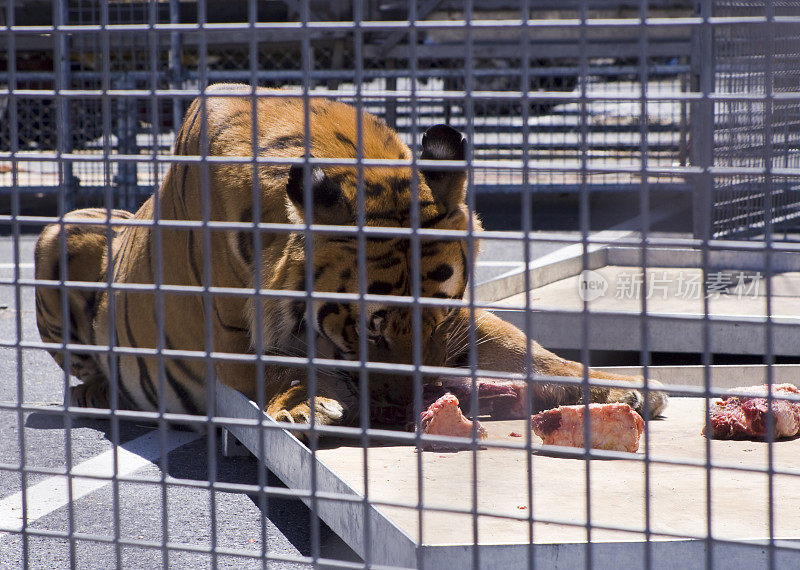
x: 702, y: 120
x: 63, y: 80
x: 175, y: 65
x: 126, y: 179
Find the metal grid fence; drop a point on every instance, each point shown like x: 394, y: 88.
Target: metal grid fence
x: 759, y: 133
x: 584, y: 97
x: 170, y: 60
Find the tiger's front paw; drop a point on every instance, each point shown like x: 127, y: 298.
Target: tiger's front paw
x: 656, y: 400
x: 328, y: 411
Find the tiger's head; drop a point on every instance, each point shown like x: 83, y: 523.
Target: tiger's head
x: 438, y: 267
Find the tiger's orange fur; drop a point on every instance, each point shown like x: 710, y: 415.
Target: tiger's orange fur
x: 227, y: 322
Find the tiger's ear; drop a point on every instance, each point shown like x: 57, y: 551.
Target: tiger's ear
x: 330, y: 206
x: 443, y: 142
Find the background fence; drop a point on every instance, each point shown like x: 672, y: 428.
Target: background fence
x: 562, y: 102
x: 137, y: 59
x: 759, y: 61
x: 674, y: 62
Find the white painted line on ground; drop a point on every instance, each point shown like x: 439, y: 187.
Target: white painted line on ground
x: 51, y: 494
x: 13, y: 265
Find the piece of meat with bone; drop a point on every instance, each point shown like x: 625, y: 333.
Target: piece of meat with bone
x: 743, y: 415
x: 500, y: 399
x: 614, y: 427
x: 444, y: 417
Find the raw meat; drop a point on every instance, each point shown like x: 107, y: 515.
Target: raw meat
x: 613, y: 426
x: 745, y: 416
x: 502, y: 400
x: 444, y: 417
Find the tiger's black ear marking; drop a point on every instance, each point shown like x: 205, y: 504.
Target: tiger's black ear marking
x: 443, y: 142
x: 329, y: 202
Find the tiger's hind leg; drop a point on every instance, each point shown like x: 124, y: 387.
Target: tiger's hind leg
x: 93, y: 393
x: 84, y: 247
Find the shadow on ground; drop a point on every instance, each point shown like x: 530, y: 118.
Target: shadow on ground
x: 290, y: 516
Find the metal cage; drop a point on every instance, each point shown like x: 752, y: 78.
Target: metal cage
x: 635, y: 168
x: 759, y: 133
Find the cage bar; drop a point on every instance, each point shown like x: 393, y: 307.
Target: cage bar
x: 634, y: 164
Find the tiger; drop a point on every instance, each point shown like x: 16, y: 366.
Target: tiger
x: 233, y: 300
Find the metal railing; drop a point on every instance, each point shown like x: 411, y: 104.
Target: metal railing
x: 166, y: 58
x: 579, y: 97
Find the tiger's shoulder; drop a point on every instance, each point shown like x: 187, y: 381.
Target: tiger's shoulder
x: 336, y: 129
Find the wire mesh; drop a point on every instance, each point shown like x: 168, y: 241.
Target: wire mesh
x: 249, y: 245
x: 744, y: 128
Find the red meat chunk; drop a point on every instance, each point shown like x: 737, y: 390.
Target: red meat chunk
x: 614, y: 427
x: 745, y: 416
x: 502, y: 400
x: 444, y: 417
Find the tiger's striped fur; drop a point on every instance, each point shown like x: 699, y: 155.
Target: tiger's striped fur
x: 225, y: 323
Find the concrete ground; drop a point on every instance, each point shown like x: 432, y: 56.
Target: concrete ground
x: 676, y: 497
